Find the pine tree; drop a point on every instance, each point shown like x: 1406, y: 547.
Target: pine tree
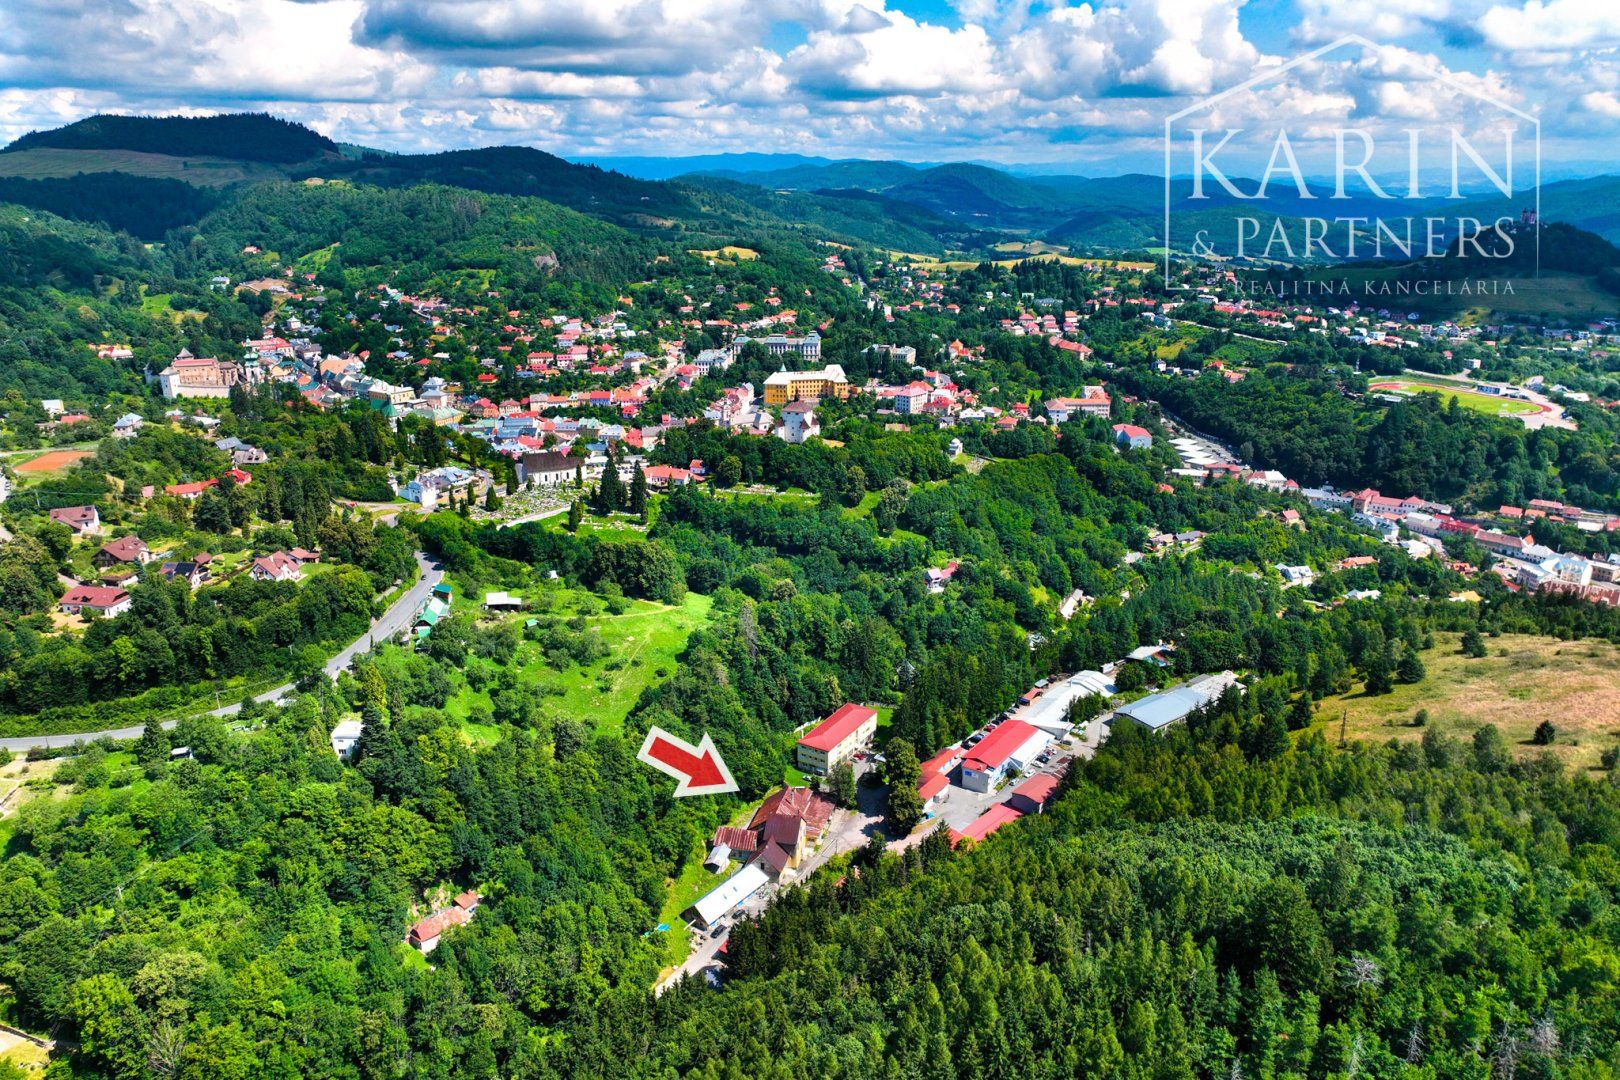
x: 1473, y: 644
x: 610, y: 491
x: 1410, y: 669
x: 905, y: 806
x: 1301, y: 712
x: 638, y: 493
x: 153, y: 744
x: 492, y: 502
x: 576, y: 515
x: 1271, y: 739
x: 1381, y: 674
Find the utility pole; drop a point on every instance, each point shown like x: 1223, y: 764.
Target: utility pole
x: 1344, y: 720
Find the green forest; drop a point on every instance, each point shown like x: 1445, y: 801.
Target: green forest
x: 1250, y: 894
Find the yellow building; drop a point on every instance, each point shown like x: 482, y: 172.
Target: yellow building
x: 784, y: 386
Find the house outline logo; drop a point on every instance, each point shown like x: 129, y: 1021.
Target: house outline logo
x: 1435, y: 74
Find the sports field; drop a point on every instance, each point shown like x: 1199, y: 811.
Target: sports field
x: 52, y: 461
x: 1489, y: 404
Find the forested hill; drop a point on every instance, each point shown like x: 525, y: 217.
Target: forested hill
x: 520, y: 170
x: 427, y: 229
x: 1193, y: 907
x: 241, y: 136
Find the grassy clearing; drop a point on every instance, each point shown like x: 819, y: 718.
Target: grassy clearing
x: 647, y: 639
x: 1525, y: 680
x: 731, y: 253
x: 864, y: 507
x: 643, y: 643
x: 694, y: 880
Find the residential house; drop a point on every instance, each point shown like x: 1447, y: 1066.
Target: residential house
x: 124, y: 551
x: 83, y: 520
x: 192, y: 573
x: 667, y: 476
x: 940, y: 576
x: 426, y: 933
x: 189, y: 491
x: 346, y: 737
x: 276, y: 566
x: 94, y: 601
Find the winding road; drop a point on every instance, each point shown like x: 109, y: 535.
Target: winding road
x: 388, y: 625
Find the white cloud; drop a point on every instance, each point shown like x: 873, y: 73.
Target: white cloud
x: 1552, y: 25
x: 1020, y: 79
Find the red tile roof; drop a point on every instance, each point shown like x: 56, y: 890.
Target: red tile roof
x: 125, y: 548
x: 737, y: 838
x: 96, y: 596
x: 1037, y: 789
x: 434, y: 925
x: 932, y: 784
x: 837, y: 727
x: 987, y: 823
x: 998, y: 746
x: 815, y: 809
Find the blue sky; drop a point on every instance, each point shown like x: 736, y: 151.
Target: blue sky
x: 1074, y: 85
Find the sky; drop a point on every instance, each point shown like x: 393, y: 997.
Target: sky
x: 1084, y: 86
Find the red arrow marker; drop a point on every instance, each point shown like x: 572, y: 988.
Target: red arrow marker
x: 698, y: 768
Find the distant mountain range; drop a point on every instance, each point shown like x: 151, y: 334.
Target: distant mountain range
x: 924, y: 208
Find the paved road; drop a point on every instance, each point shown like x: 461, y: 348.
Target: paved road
x: 392, y: 622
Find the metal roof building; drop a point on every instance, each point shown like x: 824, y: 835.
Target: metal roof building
x: 1158, y: 711
x: 720, y: 901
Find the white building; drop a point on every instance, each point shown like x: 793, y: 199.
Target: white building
x: 721, y: 901
x: 345, y: 737
x: 799, y: 423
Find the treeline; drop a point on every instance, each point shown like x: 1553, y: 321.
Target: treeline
x: 143, y: 206
x: 171, y: 636
x: 413, y: 235
x: 1208, y: 904
x: 238, y: 136
x: 1303, y: 425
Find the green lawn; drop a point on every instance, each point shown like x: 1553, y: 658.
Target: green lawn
x: 647, y: 638
x: 643, y: 643
x: 611, y: 527
x: 864, y: 507
x: 694, y: 880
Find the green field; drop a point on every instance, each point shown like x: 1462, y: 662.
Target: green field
x: 642, y: 643
x: 1524, y: 680
x: 1488, y: 404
